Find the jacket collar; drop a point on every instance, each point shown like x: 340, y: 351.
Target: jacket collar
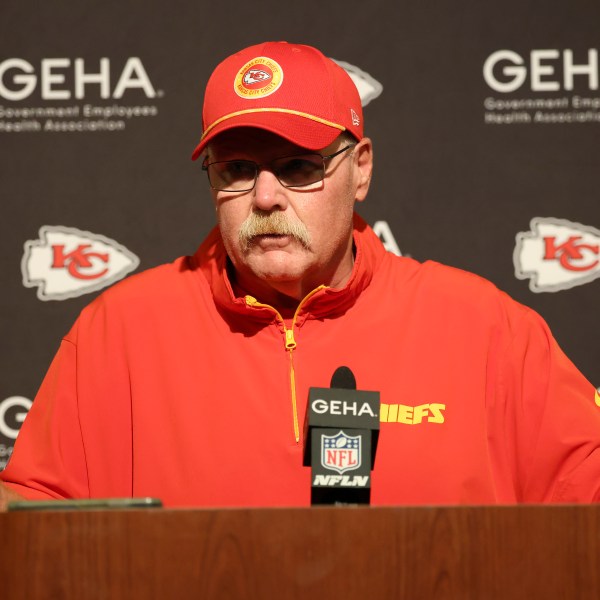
x: 211, y: 258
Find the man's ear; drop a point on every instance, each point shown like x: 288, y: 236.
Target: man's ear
x: 363, y: 163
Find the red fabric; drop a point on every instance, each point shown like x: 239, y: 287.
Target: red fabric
x: 307, y: 98
x: 164, y: 389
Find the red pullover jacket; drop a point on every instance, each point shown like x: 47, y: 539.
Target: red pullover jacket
x: 170, y: 386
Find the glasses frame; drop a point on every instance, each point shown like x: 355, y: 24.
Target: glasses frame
x: 258, y: 167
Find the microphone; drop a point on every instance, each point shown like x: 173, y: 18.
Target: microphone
x: 341, y: 433
x: 343, y: 378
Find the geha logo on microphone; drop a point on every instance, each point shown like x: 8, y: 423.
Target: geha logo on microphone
x: 342, y: 407
x: 66, y: 262
x: 557, y: 254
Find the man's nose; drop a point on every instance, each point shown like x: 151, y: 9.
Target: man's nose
x: 268, y: 191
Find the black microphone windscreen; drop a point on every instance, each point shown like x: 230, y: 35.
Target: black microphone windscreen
x: 343, y: 378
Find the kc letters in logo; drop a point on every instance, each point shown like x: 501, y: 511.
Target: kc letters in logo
x: 557, y: 254
x: 66, y: 262
x: 341, y: 452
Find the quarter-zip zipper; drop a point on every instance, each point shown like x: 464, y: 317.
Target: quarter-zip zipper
x: 290, y: 346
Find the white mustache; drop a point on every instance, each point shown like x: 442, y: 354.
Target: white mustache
x: 271, y: 223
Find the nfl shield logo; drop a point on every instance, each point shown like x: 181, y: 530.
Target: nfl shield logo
x: 341, y: 452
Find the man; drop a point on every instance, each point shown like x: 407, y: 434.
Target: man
x: 189, y: 382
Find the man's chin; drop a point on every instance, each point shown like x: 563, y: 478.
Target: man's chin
x: 277, y: 268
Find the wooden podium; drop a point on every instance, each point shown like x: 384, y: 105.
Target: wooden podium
x: 415, y: 553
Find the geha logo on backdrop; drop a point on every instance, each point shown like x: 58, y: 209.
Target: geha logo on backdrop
x: 66, y: 262
x: 57, y: 81
x: 570, y: 78
x: 557, y: 254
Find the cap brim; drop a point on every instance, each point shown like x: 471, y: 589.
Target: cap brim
x: 302, y: 131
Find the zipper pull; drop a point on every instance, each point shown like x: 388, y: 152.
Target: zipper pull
x: 290, y: 342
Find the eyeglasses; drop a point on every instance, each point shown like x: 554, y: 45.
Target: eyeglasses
x: 297, y: 171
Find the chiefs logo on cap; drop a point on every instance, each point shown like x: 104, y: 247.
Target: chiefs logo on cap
x: 258, y: 78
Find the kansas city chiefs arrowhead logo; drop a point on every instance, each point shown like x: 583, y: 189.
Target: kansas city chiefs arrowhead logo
x: 557, y: 254
x: 255, y: 75
x: 66, y: 262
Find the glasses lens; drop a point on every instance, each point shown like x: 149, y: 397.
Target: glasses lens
x: 232, y: 175
x: 298, y: 171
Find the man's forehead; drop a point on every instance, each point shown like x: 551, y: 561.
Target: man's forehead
x: 252, y: 140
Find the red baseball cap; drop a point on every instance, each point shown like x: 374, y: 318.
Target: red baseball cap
x: 291, y: 90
